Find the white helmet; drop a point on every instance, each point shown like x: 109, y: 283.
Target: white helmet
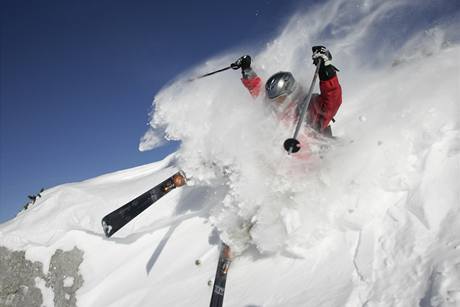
x: 281, y: 83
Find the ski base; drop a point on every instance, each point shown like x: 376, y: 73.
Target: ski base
x: 115, y: 220
x: 218, y: 291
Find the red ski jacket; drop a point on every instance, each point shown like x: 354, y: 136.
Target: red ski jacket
x: 322, y: 108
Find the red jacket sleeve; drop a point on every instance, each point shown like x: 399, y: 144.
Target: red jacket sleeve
x: 253, y: 83
x: 327, y: 104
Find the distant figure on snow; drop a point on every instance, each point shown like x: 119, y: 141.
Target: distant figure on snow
x: 285, y: 95
x: 33, y: 198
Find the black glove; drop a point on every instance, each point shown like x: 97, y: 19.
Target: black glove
x: 244, y: 63
x: 321, y: 52
x: 326, y: 70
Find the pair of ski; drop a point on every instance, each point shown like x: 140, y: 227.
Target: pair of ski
x: 115, y: 220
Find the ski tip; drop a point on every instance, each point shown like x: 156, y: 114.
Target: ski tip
x: 179, y: 179
x: 107, y: 229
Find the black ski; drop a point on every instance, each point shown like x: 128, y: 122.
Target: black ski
x: 115, y: 220
x: 217, y: 298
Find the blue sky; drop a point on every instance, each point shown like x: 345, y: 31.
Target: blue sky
x: 78, y: 79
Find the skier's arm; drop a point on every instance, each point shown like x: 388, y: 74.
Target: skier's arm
x: 330, y: 98
x: 331, y: 92
x: 250, y: 79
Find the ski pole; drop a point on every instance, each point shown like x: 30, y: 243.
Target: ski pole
x: 292, y: 145
x: 209, y: 74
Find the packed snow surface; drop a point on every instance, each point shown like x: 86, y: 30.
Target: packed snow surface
x: 371, y: 218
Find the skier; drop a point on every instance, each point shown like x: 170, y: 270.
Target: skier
x: 285, y: 95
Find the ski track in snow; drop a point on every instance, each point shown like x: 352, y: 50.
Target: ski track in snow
x: 372, y: 221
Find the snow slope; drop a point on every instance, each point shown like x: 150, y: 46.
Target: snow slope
x: 372, y: 221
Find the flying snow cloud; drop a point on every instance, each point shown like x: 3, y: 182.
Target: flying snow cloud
x: 390, y: 72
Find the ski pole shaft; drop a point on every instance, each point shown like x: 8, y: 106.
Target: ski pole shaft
x: 306, y: 102
x: 290, y: 144
x: 209, y: 74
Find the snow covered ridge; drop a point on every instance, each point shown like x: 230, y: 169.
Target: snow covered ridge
x: 374, y: 221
